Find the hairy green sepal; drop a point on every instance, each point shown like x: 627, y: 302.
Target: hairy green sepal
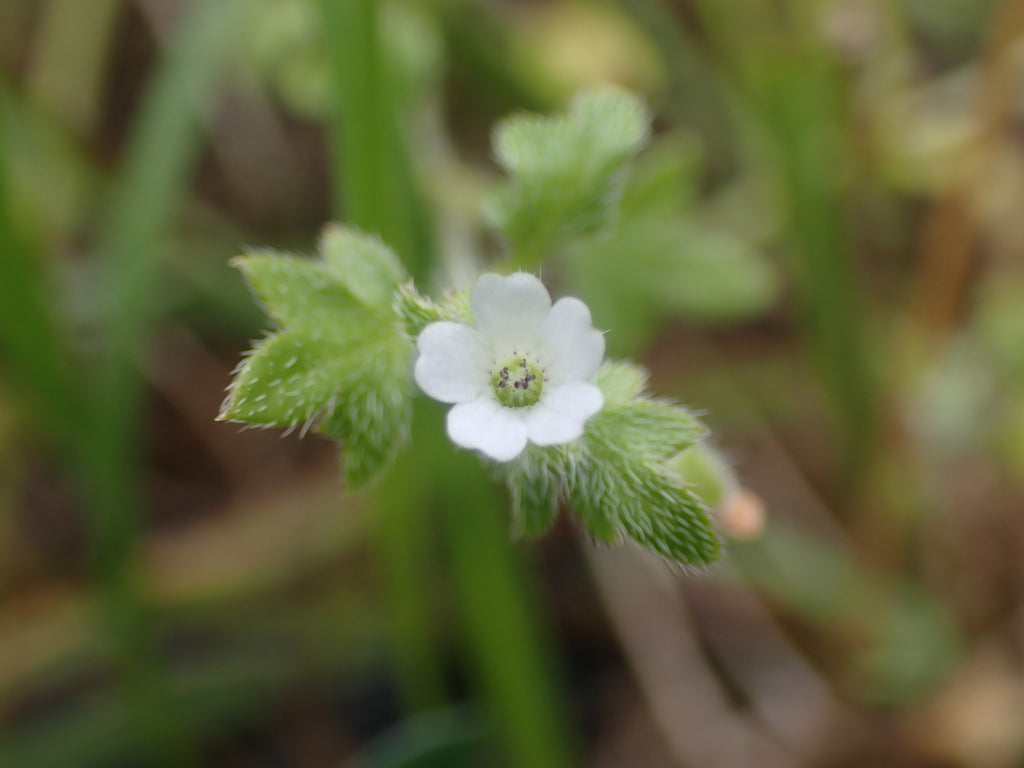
x: 564, y: 171
x: 616, y: 477
x: 340, y: 362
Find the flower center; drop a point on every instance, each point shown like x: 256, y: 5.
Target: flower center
x: 517, y: 381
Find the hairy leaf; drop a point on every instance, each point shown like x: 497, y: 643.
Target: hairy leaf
x: 620, y: 382
x: 285, y: 381
x: 367, y: 267
x: 536, y: 483
x: 616, y: 477
x: 340, y: 365
x: 373, y: 422
x: 565, y: 170
x: 298, y: 292
x: 620, y: 479
x: 416, y: 312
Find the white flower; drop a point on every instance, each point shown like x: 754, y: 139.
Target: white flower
x: 520, y: 375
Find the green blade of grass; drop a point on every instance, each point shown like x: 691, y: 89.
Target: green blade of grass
x: 162, y: 150
x: 403, y: 537
x: 70, y: 58
x: 800, y: 103
x: 693, y: 95
x: 372, y: 179
x: 36, y: 354
x: 795, y: 90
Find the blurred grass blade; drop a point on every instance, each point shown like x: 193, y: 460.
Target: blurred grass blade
x: 372, y: 177
x: 36, y: 357
x: 70, y: 57
x: 795, y: 89
x: 100, y: 732
x: 799, y: 99
x: 449, y: 738
x: 161, y: 153
x: 403, y: 541
x: 693, y: 95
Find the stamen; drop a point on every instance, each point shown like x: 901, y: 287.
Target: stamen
x: 521, y: 372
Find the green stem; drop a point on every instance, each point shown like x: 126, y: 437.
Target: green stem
x: 373, y: 190
x: 408, y: 572
x: 511, y: 654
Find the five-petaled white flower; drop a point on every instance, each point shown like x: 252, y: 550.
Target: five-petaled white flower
x: 520, y: 375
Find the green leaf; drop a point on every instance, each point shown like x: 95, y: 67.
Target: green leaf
x: 664, y: 179
x: 620, y: 382
x: 356, y: 271
x: 611, y: 122
x: 373, y: 410
x: 353, y: 391
x: 341, y: 363
x: 655, y: 429
x: 620, y: 480
x: 653, y: 267
x: 536, y: 483
x: 649, y: 507
x: 373, y: 421
x: 367, y: 267
x: 298, y: 292
x: 715, y: 276
x: 566, y: 170
x: 616, y: 476
x: 416, y: 312
x: 286, y: 381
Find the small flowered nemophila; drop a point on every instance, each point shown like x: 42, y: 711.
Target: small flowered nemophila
x: 520, y: 375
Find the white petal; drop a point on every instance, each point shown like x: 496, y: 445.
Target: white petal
x: 454, y: 362
x: 510, y: 310
x: 570, y: 348
x: 487, y: 426
x: 561, y: 413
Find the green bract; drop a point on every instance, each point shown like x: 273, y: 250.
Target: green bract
x: 339, y: 364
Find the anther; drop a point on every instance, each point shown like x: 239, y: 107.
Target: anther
x: 520, y: 372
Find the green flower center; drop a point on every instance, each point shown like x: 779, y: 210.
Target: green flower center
x: 517, y: 381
